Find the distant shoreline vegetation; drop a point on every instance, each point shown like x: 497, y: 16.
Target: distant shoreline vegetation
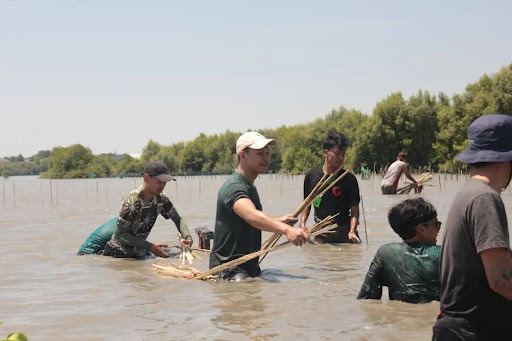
x: 431, y: 129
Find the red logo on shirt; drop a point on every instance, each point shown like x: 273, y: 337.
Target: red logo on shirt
x: 336, y: 191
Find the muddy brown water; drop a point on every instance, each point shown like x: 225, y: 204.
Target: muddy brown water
x: 304, y: 293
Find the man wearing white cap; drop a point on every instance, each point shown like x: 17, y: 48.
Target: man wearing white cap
x: 239, y: 219
x: 138, y: 214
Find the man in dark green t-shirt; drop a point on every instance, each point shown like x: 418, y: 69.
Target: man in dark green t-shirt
x: 409, y: 269
x: 239, y: 219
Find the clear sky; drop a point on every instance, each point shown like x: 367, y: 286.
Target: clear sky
x: 111, y: 75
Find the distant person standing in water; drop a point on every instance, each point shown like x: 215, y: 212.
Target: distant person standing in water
x: 476, y: 265
x: 138, y: 214
x: 343, y: 198
x: 390, y: 182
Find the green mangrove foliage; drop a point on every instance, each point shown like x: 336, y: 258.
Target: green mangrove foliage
x: 432, y: 129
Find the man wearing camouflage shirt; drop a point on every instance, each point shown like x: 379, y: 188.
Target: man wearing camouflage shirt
x: 138, y: 214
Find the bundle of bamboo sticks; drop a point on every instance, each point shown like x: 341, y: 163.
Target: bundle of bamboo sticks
x: 321, y: 227
x: 423, y: 178
x: 325, y: 184
x: 180, y: 271
x: 187, y: 254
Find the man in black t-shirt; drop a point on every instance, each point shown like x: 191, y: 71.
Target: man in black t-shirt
x: 343, y: 198
x: 239, y: 219
x: 476, y: 266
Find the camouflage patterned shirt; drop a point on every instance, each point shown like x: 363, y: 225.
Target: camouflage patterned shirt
x: 136, y: 219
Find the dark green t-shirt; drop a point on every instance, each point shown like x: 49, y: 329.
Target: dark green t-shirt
x: 409, y: 270
x: 234, y: 237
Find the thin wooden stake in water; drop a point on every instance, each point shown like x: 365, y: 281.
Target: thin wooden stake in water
x: 51, y: 193
x: 439, y: 175
x: 3, y: 191
x: 364, y: 219
x: 14, y: 192
x: 57, y: 192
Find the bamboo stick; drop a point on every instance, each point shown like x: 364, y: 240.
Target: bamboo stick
x: 317, y: 191
x: 273, y: 239
x: 423, y: 178
x: 253, y: 255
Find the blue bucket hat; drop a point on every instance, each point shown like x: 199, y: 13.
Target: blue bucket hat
x: 490, y: 140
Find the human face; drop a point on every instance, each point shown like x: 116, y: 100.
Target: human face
x: 429, y: 230
x: 334, y: 157
x: 257, y: 160
x: 153, y: 186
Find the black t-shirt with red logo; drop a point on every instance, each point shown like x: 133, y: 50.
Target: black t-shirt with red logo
x: 338, y: 199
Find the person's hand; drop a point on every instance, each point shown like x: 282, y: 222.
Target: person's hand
x: 354, y: 238
x: 187, y: 241
x: 288, y: 219
x: 419, y: 188
x: 296, y: 236
x: 157, y: 251
x: 161, y: 245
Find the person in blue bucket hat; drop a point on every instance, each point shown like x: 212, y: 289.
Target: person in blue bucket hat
x: 476, y: 262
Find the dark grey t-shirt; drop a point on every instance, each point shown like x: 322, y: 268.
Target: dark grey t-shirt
x: 476, y: 222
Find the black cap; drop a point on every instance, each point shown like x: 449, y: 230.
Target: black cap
x: 159, y: 170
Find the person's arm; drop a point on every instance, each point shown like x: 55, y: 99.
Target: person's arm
x: 246, y: 210
x: 354, y: 198
x: 488, y: 219
x: 127, y: 237
x: 405, y: 170
x: 354, y: 221
x: 169, y: 211
x: 498, y: 270
x: 372, y: 285
x: 304, y: 215
x: 182, y: 227
x: 288, y: 219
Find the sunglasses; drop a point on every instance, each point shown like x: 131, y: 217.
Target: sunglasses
x: 437, y: 223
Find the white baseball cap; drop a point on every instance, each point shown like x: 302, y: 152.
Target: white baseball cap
x: 254, y: 140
